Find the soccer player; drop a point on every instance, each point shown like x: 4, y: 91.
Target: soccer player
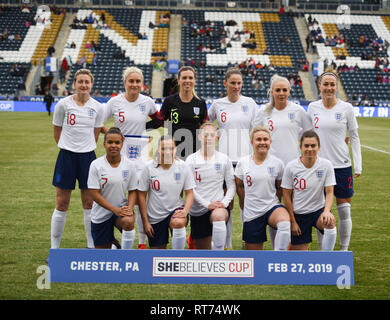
x: 286, y: 121
x: 210, y: 210
x: 184, y: 111
x: 112, y: 182
x: 258, y: 179
x: 234, y: 114
x: 308, y: 195
x: 333, y: 119
x: 77, y: 122
x: 161, y: 182
x: 130, y: 111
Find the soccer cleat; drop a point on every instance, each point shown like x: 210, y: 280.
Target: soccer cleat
x: 227, y: 248
x: 142, y: 246
x: 116, y: 244
x: 190, y: 242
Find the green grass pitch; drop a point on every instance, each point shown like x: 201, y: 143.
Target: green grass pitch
x: 27, y: 198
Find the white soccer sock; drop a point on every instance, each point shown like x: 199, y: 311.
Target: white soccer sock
x: 272, y: 234
x: 57, y: 227
x: 178, y: 238
x: 320, y: 236
x: 229, y: 232
x: 329, y: 239
x: 282, y: 237
x: 128, y: 239
x: 219, y: 235
x: 345, y: 225
x: 87, y: 226
x: 141, y: 233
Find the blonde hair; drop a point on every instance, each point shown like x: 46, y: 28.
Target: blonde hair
x: 209, y: 124
x: 187, y: 68
x: 130, y: 70
x: 275, y: 78
x: 256, y: 129
x: 83, y: 71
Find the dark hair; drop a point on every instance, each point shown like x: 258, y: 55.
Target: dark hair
x: 157, y: 156
x: 309, y: 134
x: 113, y: 130
x: 231, y: 71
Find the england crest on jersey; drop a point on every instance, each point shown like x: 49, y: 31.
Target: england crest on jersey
x: 218, y: 167
x: 291, y: 116
x: 91, y: 113
x: 271, y: 170
x: 244, y: 108
x: 338, y: 116
x: 319, y: 173
x: 125, y: 174
x: 133, y: 151
x: 142, y: 108
x: 196, y: 111
x: 177, y: 176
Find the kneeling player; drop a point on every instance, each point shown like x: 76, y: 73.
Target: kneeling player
x: 210, y: 210
x: 304, y: 181
x: 110, y: 177
x: 162, y: 181
x: 258, y: 179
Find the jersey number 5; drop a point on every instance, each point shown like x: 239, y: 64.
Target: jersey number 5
x: 121, y: 117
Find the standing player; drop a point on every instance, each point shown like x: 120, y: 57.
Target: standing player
x: 258, y: 179
x: 130, y: 111
x: 77, y: 122
x: 210, y: 210
x: 234, y: 114
x: 185, y: 112
x: 332, y: 119
x: 308, y: 195
x: 161, y: 182
x: 110, y: 178
x: 286, y: 121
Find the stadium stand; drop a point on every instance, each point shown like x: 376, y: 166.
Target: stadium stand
x: 107, y: 39
x: 359, y: 57
x: 220, y: 39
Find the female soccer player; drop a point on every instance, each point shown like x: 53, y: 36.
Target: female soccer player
x: 234, y: 114
x: 258, y: 179
x: 110, y: 178
x: 332, y: 119
x: 130, y: 111
x: 210, y: 210
x: 77, y: 122
x: 308, y: 195
x: 285, y: 120
x: 185, y: 112
x: 162, y: 181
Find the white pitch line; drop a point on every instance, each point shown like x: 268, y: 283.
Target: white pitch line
x: 375, y: 149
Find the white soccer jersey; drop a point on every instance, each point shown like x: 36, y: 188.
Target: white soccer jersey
x: 308, y: 184
x: 235, y: 123
x: 209, y: 178
x: 259, y: 185
x: 286, y: 127
x: 78, y: 124
x: 130, y: 117
x: 113, y: 184
x: 332, y: 125
x: 164, y: 188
